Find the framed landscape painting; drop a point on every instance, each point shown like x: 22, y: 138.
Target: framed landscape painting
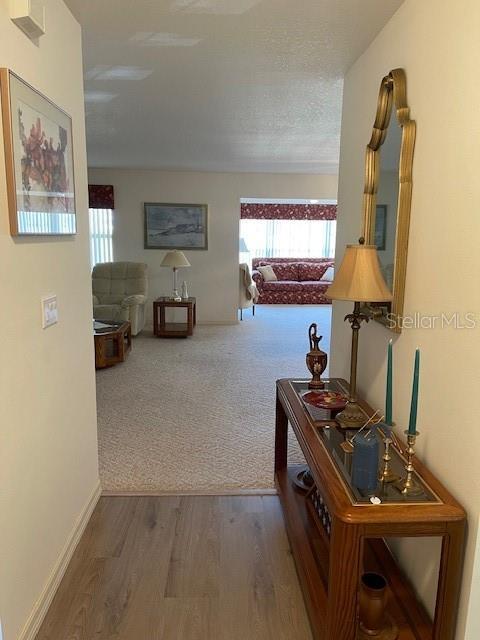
x: 38, y: 161
x: 176, y: 226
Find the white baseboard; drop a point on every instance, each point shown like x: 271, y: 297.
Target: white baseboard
x: 40, y: 608
x: 148, y: 328
x: 218, y: 323
x: 215, y: 492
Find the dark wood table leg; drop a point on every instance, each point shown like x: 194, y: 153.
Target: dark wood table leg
x: 281, y: 436
x: 155, y: 319
x: 194, y: 313
x: 120, y: 349
x: 129, y: 338
x: 100, y: 352
x: 162, y: 317
x: 346, y: 546
x: 449, y: 579
x: 190, y: 319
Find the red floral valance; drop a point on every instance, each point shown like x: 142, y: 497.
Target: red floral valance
x: 258, y: 211
x: 100, y: 196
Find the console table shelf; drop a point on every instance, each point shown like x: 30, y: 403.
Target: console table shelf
x: 331, y: 550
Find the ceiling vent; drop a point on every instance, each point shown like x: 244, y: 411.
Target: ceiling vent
x: 29, y: 15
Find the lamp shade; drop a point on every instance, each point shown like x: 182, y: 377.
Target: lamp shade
x: 359, y: 278
x: 175, y: 259
x: 242, y: 245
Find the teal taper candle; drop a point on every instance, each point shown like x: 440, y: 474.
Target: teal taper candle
x: 412, y: 425
x: 388, y: 395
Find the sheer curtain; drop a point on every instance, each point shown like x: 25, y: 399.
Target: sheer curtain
x: 289, y: 238
x: 101, y: 235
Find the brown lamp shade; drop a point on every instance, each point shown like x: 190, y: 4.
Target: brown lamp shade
x: 359, y: 278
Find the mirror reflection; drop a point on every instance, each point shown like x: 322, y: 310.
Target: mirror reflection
x: 385, y: 219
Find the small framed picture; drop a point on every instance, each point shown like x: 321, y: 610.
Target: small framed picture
x: 380, y: 226
x: 176, y: 226
x: 38, y: 161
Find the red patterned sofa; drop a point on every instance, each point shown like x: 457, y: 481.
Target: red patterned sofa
x: 299, y: 280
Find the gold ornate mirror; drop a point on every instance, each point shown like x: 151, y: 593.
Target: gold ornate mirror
x: 388, y: 191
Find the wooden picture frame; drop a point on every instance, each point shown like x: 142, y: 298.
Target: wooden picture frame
x: 38, y: 161
x: 176, y: 226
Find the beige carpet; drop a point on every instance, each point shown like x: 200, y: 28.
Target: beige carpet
x: 198, y: 414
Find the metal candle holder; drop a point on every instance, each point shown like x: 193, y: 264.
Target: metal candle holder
x: 386, y: 474
x: 409, y: 487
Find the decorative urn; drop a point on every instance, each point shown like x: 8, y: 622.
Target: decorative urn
x: 316, y: 359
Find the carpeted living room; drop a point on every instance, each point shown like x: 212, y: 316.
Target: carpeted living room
x: 197, y: 415
x: 237, y: 242
x: 189, y: 408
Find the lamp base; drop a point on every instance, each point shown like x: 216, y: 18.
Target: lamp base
x: 176, y: 296
x: 352, y: 417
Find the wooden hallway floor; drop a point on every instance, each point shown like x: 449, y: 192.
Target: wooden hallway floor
x: 181, y: 568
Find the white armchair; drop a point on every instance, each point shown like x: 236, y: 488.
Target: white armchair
x: 120, y: 292
x: 248, y: 292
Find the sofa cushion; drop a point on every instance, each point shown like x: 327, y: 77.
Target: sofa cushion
x: 329, y: 274
x: 285, y: 271
x: 311, y: 271
x: 267, y: 272
x: 314, y: 285
x: 283, y: 286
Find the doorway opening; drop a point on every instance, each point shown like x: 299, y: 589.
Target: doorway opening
x: 289, y: 248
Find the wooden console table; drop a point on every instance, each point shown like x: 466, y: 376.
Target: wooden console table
x: 336, y: 533
x: 164, y: 329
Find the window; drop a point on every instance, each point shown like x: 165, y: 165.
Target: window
x: 101, y: 234
x: 289, y: 238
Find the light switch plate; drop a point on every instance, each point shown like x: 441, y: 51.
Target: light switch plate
x: 49, y: 311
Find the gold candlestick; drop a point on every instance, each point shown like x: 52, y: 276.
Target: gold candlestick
x: 386, y: 474
x: 409, y: 487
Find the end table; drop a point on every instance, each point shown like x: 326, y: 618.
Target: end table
x: 163, y: 329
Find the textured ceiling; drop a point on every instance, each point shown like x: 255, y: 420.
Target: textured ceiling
x: 221, y: 85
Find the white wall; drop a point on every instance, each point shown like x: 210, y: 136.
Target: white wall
x: 436, y: 42
x: 213, y: 277
x: 48, y: 451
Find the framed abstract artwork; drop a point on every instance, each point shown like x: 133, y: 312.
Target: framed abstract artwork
x: 380, y: 226
x: 176, y: 226
x: 38, y: 161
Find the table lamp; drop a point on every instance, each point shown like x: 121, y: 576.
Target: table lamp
x: 175, y: 259
x: 358, y: 279
x: 243, y: 250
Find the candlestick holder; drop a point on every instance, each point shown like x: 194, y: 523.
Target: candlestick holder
x: 386, y: 474
x: 408, y: 486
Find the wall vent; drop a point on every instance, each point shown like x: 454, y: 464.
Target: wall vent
x: 29, y: 15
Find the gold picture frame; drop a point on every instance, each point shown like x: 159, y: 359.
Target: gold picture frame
x: 39, y: 167
x: 392, y: 94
